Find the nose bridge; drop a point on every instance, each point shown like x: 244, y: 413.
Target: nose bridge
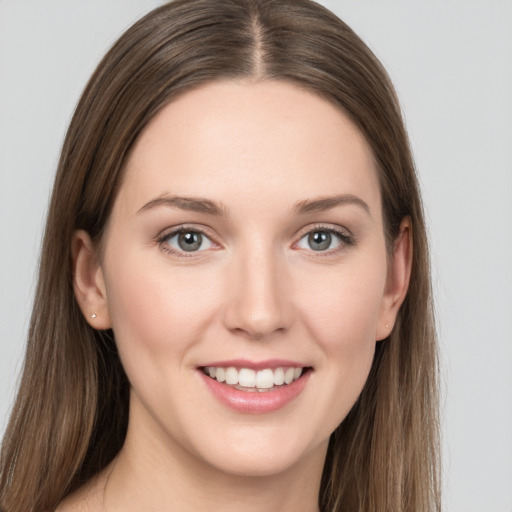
x: 257, y: 298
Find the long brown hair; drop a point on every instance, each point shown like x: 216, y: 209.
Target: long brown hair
x: 71, y: 413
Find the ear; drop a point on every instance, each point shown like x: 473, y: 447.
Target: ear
x: 399, y: 274
x: 88, y: 282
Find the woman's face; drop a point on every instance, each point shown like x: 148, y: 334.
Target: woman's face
x: 246, y: 242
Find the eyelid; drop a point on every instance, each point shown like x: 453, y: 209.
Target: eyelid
x: 345, y: 236
x: 170, y: 232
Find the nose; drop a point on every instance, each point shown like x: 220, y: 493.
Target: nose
x: 258, y: 296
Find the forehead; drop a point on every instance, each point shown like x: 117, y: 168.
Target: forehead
x: 239, y: 142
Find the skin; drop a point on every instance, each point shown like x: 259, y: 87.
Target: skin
x: 256, y: 290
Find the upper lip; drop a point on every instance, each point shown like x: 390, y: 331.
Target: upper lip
x: 255, y: 365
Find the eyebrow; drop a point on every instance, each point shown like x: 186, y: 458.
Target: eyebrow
x: 329, y: 202
x: 193, y: 204
x: 203, y: 205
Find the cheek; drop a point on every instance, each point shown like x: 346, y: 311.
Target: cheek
x: 344, y: 323
x: 342, y: 306
x: 157, y: 309
x: 342, y: 315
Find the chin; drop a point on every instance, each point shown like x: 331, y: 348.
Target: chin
x: 262, y: 455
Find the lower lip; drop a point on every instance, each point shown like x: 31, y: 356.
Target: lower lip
x: 255, y: 402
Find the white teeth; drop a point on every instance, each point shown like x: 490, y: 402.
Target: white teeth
x: 251, y: 380
x: 265, y: 379
x: 247, y: 378
x: 220, y: 374
x: 278, y: 377
x: 288, y: 375
x: 231, y: 375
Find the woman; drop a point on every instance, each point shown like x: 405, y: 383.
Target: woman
x: 234, y: 303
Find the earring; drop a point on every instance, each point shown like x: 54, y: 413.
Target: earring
x: 93, y: 316
x: 387, y: 325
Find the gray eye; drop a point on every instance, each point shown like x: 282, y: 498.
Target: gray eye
x: 190, y: 241
x: 319, y: 240
x: 322, y: 240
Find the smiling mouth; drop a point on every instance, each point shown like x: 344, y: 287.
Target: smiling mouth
x: 247, y: 379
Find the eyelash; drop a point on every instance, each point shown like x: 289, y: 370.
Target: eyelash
x: 167, y: 235
x: 345, y: 239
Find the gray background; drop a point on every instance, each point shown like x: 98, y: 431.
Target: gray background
x: 451, y: 62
